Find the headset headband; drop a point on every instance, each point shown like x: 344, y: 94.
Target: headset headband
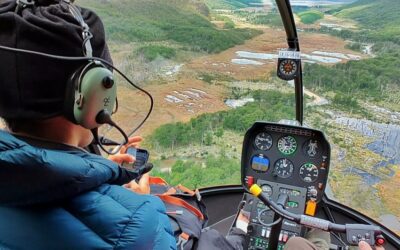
x: 86, y: 34
x: 75, y: 12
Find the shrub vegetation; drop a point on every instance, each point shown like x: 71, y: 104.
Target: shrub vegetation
x: 310, y: 16
x: 151, y: 52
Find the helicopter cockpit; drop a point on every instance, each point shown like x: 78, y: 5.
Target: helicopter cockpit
x: 280, y: 171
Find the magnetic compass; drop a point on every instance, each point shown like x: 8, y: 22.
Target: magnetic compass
x: 288, y: 67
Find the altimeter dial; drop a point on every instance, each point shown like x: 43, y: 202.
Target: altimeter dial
x: 283, y: 168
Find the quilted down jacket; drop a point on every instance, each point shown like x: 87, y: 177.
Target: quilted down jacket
x: 70, y: 199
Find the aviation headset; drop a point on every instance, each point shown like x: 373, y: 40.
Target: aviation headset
x: 91, y: 93
x: 91, y: 90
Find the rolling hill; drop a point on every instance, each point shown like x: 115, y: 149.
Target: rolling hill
x: 380, y: 18
x: 181, y: 21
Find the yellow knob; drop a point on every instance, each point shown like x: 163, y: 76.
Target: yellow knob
x: 255, y: 190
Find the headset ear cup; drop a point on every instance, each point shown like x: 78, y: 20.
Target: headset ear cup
x: 96, y: 92
x: 71, y: 89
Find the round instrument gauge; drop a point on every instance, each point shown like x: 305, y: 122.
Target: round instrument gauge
x: 264, y: 216
x: 283, y: 168
x: 288, y: 68
x: 267, y: 189
x: 287, y: 145
x: 309, y: 172
x: 312, y: 148
x: 263, y: 141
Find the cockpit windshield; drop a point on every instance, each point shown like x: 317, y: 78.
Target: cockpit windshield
x: 211, y: 67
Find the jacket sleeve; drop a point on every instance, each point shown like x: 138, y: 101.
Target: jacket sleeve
x: 211, y: 239
x: 124, y: 219
x: 37, y: 176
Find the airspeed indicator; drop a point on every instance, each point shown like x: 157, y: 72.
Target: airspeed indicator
x: 263, y: 141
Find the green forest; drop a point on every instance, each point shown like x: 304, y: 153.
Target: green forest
x: 193, y: 174
x: 371, y: 79
x: 268, y: 105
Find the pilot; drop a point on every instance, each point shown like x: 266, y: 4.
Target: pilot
x: 53, y: 193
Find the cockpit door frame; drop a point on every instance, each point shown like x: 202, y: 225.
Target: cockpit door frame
x: 286, y: 13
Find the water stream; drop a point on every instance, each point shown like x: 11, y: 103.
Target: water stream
x: 386, y: 143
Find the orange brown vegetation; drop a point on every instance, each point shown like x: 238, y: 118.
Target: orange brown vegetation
x: 389, y: 190
x: 134, y: 104
x: 269, y: 42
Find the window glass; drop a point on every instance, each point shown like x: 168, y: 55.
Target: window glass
x: 211, y: 68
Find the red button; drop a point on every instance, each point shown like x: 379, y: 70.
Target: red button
x: 249, y: 180
x: 285, y: 237
x: 380, y: 241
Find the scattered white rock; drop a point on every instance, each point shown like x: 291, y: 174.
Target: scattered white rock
x: 330, y: 54
x: 198, y: 90
x: 233, y: 103
x: 172, y: 99
x: 174, y: 70
x: 246, y: 62
x: 193, y: 94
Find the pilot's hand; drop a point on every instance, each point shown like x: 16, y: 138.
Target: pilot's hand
x: 122, y: 156
x: 365, y: 246
x: 133, y: 141
x: 242, y: 221
x: 142, y: 187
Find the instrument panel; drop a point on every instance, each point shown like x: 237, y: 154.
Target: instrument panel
x: 282, y: 159
x: 288, y: 155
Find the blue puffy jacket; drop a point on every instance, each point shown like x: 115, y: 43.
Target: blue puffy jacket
x: 67, y: 199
